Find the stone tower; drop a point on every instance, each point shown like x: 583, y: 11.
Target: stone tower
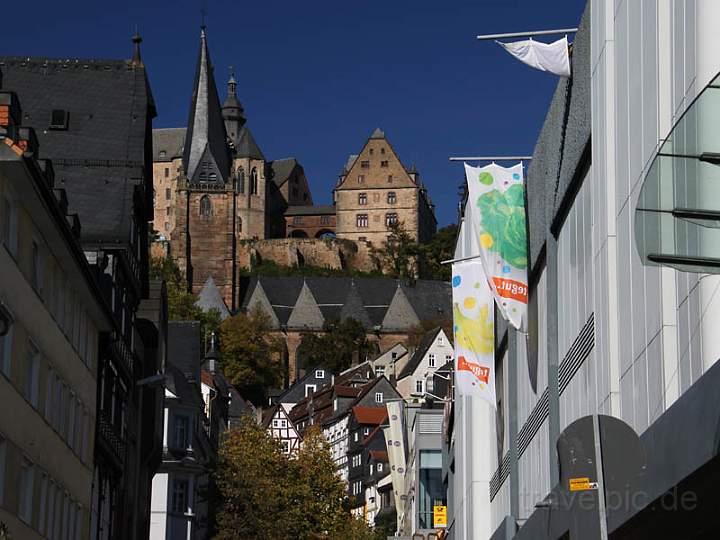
x: 220, y: 186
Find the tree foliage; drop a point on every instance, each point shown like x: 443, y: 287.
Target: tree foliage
x: 440, y: 248
x: 251, y: 356
x: 267, y: 495
x: 398, y: 254
x: 335, y: 348
x: 181, y: 303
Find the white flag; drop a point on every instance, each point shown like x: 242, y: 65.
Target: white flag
x: 552, y: 57
x: 496, y: 199
x: 473, y: 324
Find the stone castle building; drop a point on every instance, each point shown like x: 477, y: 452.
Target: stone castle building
x: 214, y: 189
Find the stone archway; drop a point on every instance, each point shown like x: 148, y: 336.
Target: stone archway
x: 325, y: 233
x: 298, y: 233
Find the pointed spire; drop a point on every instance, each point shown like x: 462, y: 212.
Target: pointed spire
x: 137, y: 40
x: 378, y: 134
x: 205, y: 157
x: 232, y: 109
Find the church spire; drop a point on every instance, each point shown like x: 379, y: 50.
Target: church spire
x: 137, y: 40
x: 205, y: 156
x: 232, y: 110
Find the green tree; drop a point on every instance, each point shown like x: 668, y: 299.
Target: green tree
x: 267, y: 495
x: 398, y: 254
x: 250, y: 355
x: 182, y: 304
x: 440, y: 248
x: 335, y: 349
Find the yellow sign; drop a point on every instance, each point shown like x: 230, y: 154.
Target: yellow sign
x: 582, y: 484
x: 439, y: 516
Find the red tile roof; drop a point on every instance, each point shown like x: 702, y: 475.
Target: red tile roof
x: 379, y: 455
x: 370, y: 415
x: 207, y: 378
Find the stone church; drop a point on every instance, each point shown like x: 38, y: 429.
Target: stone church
x: 214, y: 189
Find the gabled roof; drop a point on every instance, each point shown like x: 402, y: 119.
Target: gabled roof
x: 425, y: 343
x: 177, y: 382
x: 281, y: 169
x: 400, y: 314
x: 168, y: 140
x: 356, y: 374
x: 205, y: 139
x: 306, y: 313
x: 346, y: 391
x: 209, y: 298
x: 370, y: 415
x: 184, y: 347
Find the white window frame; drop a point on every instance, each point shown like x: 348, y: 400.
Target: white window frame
x: 319, y: 373
x: 378, y: 397
x: 420, y: 386
x: 173, y: 489
x: 431, y: 360
x: 285, y: 446
x: 308, y: 387
x: 379, y: 467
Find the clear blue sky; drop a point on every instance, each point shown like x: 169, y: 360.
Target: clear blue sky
x: 316, y: 77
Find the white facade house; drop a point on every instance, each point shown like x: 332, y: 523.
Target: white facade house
x: 434, y: 351
x: 387, y: 362
x: 277, y: 422
x: 336, y: 433
x: 620, y: 332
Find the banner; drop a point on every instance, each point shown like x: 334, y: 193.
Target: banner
x: 496, y: 199
x: 473, y: 323
x: 552, y: 57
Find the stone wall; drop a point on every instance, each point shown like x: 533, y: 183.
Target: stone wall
x: 324, y: 253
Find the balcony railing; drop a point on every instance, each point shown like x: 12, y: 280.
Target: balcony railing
x: 111, y: 437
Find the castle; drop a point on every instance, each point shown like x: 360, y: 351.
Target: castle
x: 214, y: 188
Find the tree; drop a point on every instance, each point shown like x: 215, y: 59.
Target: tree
x: 440, y: 248
x: 267, y: 495
x: 182, y: 305
x: 398, y: 254
x: 250, y: 355
x: 335, y: 349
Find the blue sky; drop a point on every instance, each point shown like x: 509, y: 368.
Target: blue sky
x: 316, y: 77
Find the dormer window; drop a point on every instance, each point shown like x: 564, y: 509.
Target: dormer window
x: 213, y: 177
x: 59, y: 119
x: 163, y: 153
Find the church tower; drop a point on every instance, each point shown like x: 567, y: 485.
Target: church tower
x: 204, y: 240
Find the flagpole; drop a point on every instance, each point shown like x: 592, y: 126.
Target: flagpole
x: 484, y: 37
x: 492, y: 158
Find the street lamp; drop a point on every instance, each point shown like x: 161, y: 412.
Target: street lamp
x: 6, y: 320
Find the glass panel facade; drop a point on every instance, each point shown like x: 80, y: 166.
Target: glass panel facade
x: 677, y: 218
x: 431, y: 490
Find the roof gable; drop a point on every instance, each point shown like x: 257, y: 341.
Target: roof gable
x: 353, y: 307
x: 306, y: 313
x: 259, y: 300
x: 425, y: 343
x: 210, y: 298
x: 376, y: 175
x: 400, y: 315
x: 246, y: 147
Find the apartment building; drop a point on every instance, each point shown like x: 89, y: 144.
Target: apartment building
x: 49, y: 352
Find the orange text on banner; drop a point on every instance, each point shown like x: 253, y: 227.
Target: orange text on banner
x: 509, y: 288
x: 481, y: 372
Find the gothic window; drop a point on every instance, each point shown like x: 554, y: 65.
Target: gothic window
x: 391, y: 219
x: 254, y: 182
x: 240, y: 181
x: 362, y: 199
x: 205, y: 206
x: 391, y: 197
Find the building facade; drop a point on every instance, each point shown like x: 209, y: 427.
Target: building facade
x: 433, y: 351
x: 49, y: 355
x: 624, y: 332
x: 376, y: 191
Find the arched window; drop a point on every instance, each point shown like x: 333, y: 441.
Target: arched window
x: 240, y: 181
x: 253, y: 182
x: 205, y: 206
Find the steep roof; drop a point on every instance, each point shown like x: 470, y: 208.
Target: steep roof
x: 246, y: 147
x: 377, y: 134
x: 99, y: 157
x: 205, y: 139
x: 370, y: 415
x: 184, y: 347
x: 281, y: 169
x: 427, y: 340
x: 177, y: 382
x: 170, y: 141
x: 210, y: 298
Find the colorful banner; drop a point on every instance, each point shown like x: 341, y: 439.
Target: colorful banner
x: 496, y: 198
x: 473, y: 321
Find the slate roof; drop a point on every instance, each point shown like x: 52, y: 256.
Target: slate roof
x: 311, y: 210
x: 427, y: 300
x: 246, y: 147
x: 205, y: 138
x: 209, y: 298
x: 425, y: 343
x: 170, y: 141
x: 184, y: 349
x: 281, y: 169
x: 176, y: 381
x: 100, y: 158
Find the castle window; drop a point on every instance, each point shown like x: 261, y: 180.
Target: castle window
x: 167, y: 172
x: 167, y: 211
x: 383, y: 163
x: 239, y: 224
x: 391, y: 197
x: 362, y: 199
x: 382, y: 151
x: 365, y: 164
x: 205, y: 207
x: 163, y: 153
x: 168, y: 194
x: 361, y: 220
x: 253, y: 182
x: 297, y: 220
x: 324, y: 220
x: 240, y: 181
x: 391, y: 219
x: 390, y: 178
x: 361, y: 178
